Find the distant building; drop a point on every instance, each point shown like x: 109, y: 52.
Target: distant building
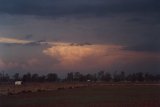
x: 18, y: 83
x: 88, y: 80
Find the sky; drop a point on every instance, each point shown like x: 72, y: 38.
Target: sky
x: 60, y: 36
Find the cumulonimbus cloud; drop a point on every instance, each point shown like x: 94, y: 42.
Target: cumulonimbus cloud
x: 69, y: 55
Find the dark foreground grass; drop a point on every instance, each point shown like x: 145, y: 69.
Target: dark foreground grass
x: 95, y: 96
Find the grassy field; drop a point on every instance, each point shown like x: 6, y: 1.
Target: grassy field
x: 92, y: 96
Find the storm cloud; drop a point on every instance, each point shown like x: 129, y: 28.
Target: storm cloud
x: 56, y: 8
x: 36, y: 32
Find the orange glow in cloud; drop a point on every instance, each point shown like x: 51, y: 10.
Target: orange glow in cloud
x: 73, y: 57
x: 78, y: 56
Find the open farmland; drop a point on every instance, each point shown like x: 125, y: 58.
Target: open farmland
x: 9, y: 89
x: 90, y: 96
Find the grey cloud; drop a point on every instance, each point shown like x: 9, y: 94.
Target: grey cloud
x: 150, y: 20
x: 80, y: 44
x: 9, y: 44
x: 144, y: 48
x: 28, y: 36
x: 34, y: 43
x: 110, y: 31
x: 151, y: 44
x: 56, y: 8
x: 42, y: 43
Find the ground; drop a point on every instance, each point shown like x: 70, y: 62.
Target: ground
x: 129, y: 95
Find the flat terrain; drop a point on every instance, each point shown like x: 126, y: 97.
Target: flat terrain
x: 90, y: 96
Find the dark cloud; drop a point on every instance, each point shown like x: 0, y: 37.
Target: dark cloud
x: 56, y: 8
x: 43, y: 43
x: 9, y: 44
x: 28, y: 36
x: 150, y: 20
x: 17, y: 44
x: 132, y: 24
x: 138, y: 20
x: 144, y: 48
x: 151, y: 44
x: 80, y: 44
x: 34, y: 43
x: 37, y: 43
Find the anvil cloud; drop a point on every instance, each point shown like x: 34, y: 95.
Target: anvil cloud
x: 79, y: 35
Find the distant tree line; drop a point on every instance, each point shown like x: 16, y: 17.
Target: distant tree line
x: 79, y: 77
x: 28, y: 77
x: 116, y: 77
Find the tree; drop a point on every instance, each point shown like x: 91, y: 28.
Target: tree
x: 107, y: 77
x: 1, y: 77
x: 149, y: 77
x: 157, y: 77
x: 70, y: 76
x: 35, y: 77
x: 51, y: 77
x: 131, y: 77
x: 41, y: 78
x: 16, y: 77
x: 5, y: 78
x: 122, y: 76
x: 139, y: 76
x: 77, y: 76
x: 27, y: 77
x: 100, y: 75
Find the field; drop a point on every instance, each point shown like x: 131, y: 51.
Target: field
x: 128, y: 95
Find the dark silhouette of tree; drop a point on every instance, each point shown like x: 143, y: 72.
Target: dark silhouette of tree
x: 139, y: 76
x: 95, y: 77
x: 107, y: 77
x: 42, y: 78
x: 89, y: 77
x: 26, y: 77
x: 157, y: 77
x: 116, y: 77
x: 6, y: 78
x: 35, y: 77
x: 52, y: 77
x: 77, y: 76
x: 70, y: 76
x: 135, y: 77
x: 122, y: 76
x: 100, y: 75
x: 131, y: 77
x: 16, y: 77
x: 119, y: 76
x: 149, y: 77
x: 1, y: 77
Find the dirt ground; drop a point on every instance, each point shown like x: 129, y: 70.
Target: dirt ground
x: 34, y: 87
x: 88, y: 96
